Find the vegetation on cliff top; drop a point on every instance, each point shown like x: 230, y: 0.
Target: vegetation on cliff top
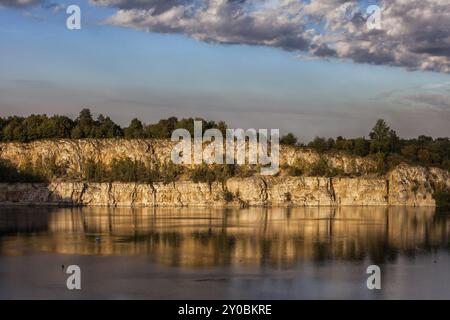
x: 382, y: 144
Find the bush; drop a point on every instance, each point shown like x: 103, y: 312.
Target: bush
x: 212, y: 173
x: 295, y: 171
x: 9, y: 173
x: 203, y: 174
x: 169, y: 172
x: 298, y: 168
x: 441, y: 195
x: 289, y: 139
x: 321, y: 168
x: 228, y: 196
x: 287, y: 197
x: 94, y: 171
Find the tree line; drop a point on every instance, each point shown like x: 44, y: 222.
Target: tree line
x: 385, y: 146
x: 36, y: 127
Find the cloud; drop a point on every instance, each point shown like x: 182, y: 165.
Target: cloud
x: 437, y: 86
x: 158, y: 5
x: 34, y: 16
x: 19, y: 3
x: 221, y: 21
x: 435, y: 100
x: 54, y: 7
x: 415, y: 34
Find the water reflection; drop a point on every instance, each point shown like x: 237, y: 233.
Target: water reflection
x: 216, y: 237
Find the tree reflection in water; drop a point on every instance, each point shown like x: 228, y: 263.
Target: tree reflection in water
x: 192, y: 237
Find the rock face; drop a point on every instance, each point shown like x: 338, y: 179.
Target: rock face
x: 404, y: 186
x: 72, y: 154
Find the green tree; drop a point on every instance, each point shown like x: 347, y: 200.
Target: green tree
x: 379, y: 136
x: 135, y: 130
x: 288, y: 139
x: 57, y: 127
x: 361, y: 147
x: 94, y: 171
x: 321, y: 168
x: 84, y: 125
x: 319, y: 144
x: 106, y: 128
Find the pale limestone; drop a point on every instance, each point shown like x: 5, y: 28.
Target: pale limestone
x: 403, y: 186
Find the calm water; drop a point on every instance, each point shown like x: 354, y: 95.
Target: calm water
x: 251, y: 253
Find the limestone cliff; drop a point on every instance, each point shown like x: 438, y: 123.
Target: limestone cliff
x: 404, y: 186
x: 74, y: 153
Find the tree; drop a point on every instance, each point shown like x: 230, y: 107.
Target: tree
x: 321, y: 168
x: 289, y: 139
x: 135, y: 130
x: 2, y: 124
x: 85, y: 117
x: 319, y: 144
x: 106, y: 128
x: 13, y: 130
x: 84, y: 125
x: 57, y: 127
x: 380, y: 136
x: 361, y: 147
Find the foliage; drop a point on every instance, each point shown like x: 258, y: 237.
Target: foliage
x: 298, y: 168
x: 388, y: 150
x: 287, y: 197
x: 383, y: 143
x: 228, y: 196
x: 135, y: 130
x: 441, y: 195
x: 322, y: 168
x: 212, y: 173
x: 289, y: 139
x: 35, y: 127
x: 9, y: 173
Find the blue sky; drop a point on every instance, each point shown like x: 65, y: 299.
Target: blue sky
x: 125, y: 73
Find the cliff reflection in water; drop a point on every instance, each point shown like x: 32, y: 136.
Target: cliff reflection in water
x: 214, y: 237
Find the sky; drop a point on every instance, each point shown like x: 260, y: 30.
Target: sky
x: 313, y: 68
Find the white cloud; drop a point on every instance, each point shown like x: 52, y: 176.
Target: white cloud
x: 19, y: 3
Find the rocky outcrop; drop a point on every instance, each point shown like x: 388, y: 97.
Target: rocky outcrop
x: 73, y: 154
x: 404, y: 186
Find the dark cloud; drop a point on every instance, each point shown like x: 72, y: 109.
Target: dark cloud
x: 19, y: 3
x: 414, y: 34
x: 249, y: 22
x: 158, y: 6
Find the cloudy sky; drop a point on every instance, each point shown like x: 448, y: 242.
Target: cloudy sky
x: 311, y: 67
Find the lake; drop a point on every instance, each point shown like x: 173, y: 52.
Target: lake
x: 252, y: 253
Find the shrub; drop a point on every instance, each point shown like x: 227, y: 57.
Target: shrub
x: 289, y: 139
x: 169, y: 172
x: 322, y: 168
x: 203, y: 174
x: 9, y: 173
x: 212, y: 173
x: 94, y: 171
x: 228, y: 196
x: 298, y: 168
x: 441, y: 195
x: 287, y: 196
x: 295, y: 171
